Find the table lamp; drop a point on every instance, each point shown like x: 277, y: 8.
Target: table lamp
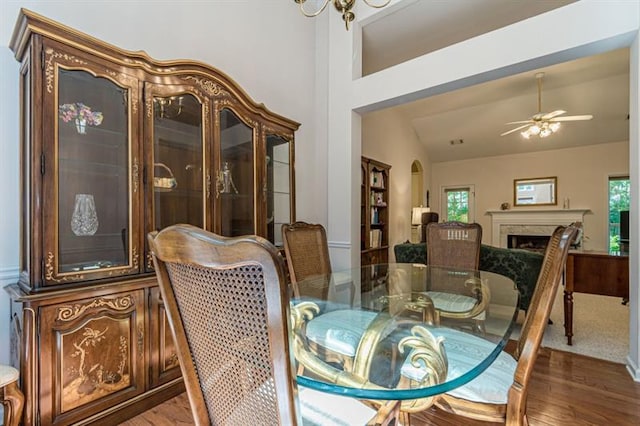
x: 416, y: 217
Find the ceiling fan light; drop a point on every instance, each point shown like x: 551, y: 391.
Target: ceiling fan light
x: 540, y: 124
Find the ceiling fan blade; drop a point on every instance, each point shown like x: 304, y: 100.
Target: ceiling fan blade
x: 519, y: 122
x: 573, y: 118
x: 553, y: 114
x: 514, y: 130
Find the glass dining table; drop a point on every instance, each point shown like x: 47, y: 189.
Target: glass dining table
x: 400, y: 331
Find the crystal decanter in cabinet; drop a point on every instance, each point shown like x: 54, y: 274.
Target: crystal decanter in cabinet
x: 115, y: 145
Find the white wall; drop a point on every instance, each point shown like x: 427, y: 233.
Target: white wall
x: 582, y: 177
x: 266, y: 46
x: 388, y: 137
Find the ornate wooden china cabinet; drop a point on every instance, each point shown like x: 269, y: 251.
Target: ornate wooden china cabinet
x: 115, y: 145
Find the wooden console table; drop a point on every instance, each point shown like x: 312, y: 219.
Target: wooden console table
x: 602, y: 273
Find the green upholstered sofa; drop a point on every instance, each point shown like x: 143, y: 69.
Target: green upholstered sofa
x: 522, y: 266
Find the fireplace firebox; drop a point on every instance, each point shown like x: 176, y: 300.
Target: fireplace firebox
x: 537, y: 243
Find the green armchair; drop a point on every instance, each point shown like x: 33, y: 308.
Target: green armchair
x: 522, y: 266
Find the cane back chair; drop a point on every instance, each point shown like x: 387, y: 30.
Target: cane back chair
x: 228, y: 311
x: 499, y: 394
x: 337, y: 332
x: 307, y: 254
x: 456, y: 245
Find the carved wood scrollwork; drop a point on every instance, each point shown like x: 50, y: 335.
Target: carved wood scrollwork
x: 132, y: 84
x: 148, y: 101
x: 134, y: 172
x: 136, y: 258
x: 207, y: 108
x: 212, y: 88
x: 49, y: 68
x: 50, y: 271
x: 230, y: 102
x: 140, y: 342
x: 71, y: 312
x: 268, y: 130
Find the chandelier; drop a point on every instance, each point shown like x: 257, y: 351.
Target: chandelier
x: 315, y: 7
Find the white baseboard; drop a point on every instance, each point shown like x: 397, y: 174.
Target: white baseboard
x: 633, y: 369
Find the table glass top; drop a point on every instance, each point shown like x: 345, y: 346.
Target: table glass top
x: 399, y: 331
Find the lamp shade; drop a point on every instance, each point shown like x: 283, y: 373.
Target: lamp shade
x: 416, y: 214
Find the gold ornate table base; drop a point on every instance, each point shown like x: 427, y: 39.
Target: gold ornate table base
x: 424, y: 349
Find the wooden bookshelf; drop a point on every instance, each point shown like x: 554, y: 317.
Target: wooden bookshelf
x: 374, y: 212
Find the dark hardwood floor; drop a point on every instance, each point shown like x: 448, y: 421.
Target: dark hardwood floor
x: 566, y: 389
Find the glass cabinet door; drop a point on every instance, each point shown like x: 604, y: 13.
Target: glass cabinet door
x: 178, y: 151
x: 235, y: 179
x: 92, y: 188
x: 279, y: 186
x: 177, y: 173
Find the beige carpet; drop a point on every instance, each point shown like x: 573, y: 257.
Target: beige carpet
x: 600, y: 327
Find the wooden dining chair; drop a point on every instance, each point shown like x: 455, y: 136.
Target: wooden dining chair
x: 499, y: 394
x: 228, y: 310
x: 456, y: 245
x: 338, y: 331
x: 307, y: 253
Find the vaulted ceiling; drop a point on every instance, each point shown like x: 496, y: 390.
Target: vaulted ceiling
x: 597, y: 85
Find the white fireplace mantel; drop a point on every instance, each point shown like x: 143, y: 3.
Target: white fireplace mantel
x: 529, y: 217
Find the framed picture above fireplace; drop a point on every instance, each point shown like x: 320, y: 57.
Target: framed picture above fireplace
x: 535, y: 191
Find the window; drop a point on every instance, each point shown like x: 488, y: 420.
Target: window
x: 619, y: 194
x: 458, y: 203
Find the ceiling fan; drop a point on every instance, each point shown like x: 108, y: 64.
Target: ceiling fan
x: 543, y: 124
